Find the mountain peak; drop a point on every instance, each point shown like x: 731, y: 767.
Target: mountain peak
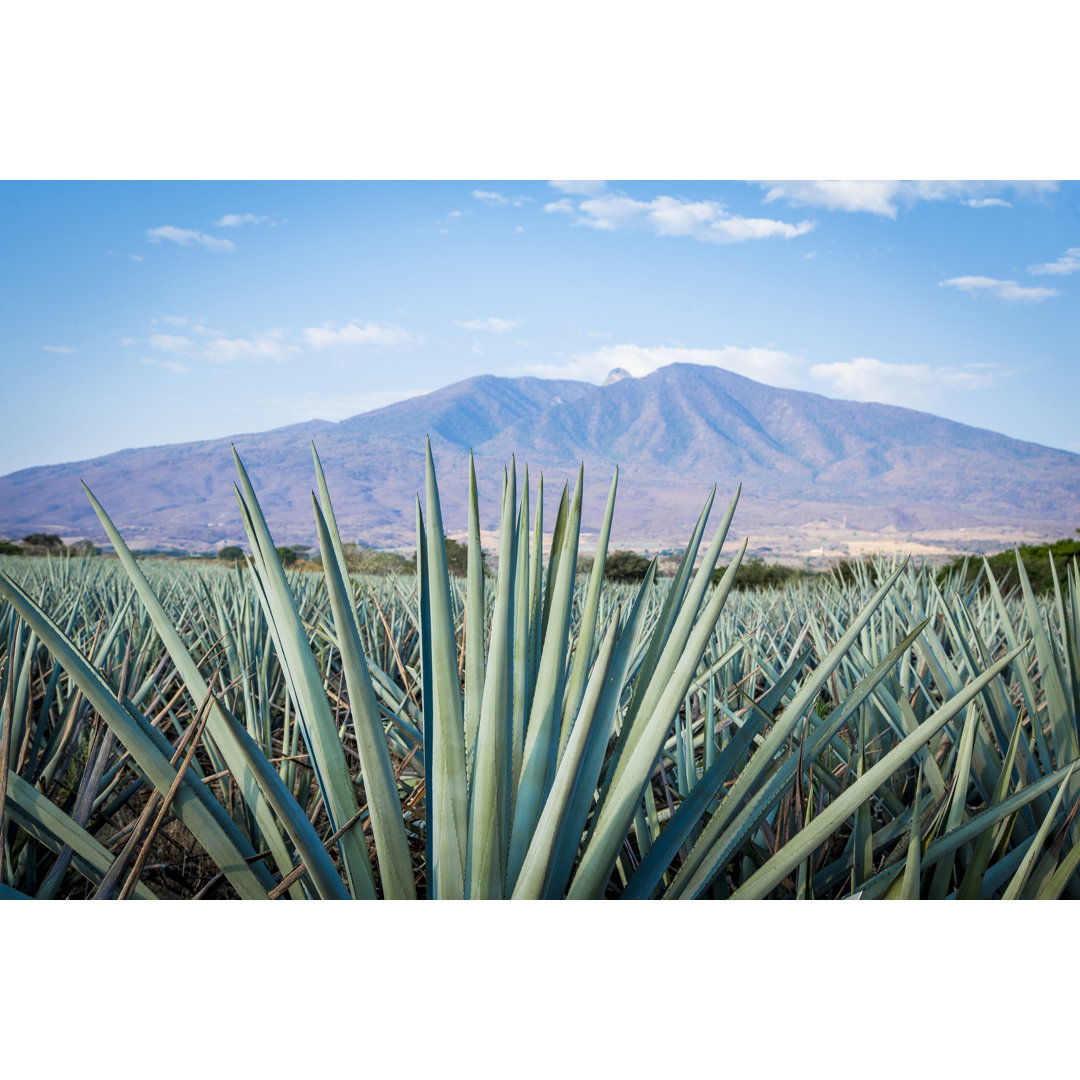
x: 806, y: 462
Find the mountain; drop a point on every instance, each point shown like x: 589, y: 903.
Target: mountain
x: 800, y: 457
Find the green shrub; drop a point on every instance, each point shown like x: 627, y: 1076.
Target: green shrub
x: 361, y: 559
x: 1036, y: 560
x: 623, y: 566
x: 757, y: 574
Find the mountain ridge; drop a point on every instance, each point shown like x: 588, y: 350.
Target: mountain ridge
x: 801, y: 457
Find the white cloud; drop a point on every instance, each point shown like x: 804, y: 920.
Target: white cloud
x: 1069, y: 263
x: 519, y: 228
x: 563, y: 206
x: 64, y: 350
x: 316, y: 406
x: 579, y: 187
x: 494, y: 325
x: 128, y: 341
x: 1003, y: 290
x: 665, y: 216
x: 767, y: 365
x: 493, y: 198
x: 982, y: 204
x: 867, y: 379
x: 188, y: 238
x: 380, y: 334
x: 266, y: 346
x: 177, y: 367
x: 137, y: 258
x: 231, y: 221
x: 885, y: 197
x: 171, y: 342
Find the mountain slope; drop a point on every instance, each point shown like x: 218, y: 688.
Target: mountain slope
x: 800, y: 457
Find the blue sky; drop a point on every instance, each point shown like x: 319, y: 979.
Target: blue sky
x: 139, y: 313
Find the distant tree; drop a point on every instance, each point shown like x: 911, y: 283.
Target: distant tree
x: 231, y: 553
x: 8, y: 548
x: 457, y: 558
x: 361, y: 559
x: 290, y: 555
x: 624, y: 566
x: 84, y: 547
x: 43, y: 540
x: 757, y: 574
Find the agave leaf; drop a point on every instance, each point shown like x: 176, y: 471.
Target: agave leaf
x: 489, y: 795
x: 705, y: 860
x: 912, y: 870
x: 617, y: 810
x: 319, y: 728
x: 206, y: 819
x: 586, y: 640
x: 758, y: 802
x: 646, y: 879
x: 49, y: 824
x: 531, y: 880
x: 1016, y: 885
x: 448, y: 794
x: 542, y: 733
x: 572, y: 824
x: 971, y: 885
x: 474, y: 624
x: 796, y: 849
x: 380, y: 784
x: 258, y: 785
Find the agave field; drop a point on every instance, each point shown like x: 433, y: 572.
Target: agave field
x: 534, y: 733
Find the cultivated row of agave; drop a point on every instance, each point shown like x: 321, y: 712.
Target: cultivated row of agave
x: 534, y: 734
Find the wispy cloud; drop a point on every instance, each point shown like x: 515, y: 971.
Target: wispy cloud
x: 886, y: 197
x: 863, y: 378
x: 192, y: 325
x: 1069, y: 263
x: 706, y: 220
x: 170, y: 342
x: 982, y: 204
x: 188, y: 238
x: 579, y: 187
x: 768, y: 365
x: 1003, y: 290
x: 232, y: 221
x: 867, y: 379
x: 493, y: 198
x: 64, y: 350
x: 270, y: 345
x: 177, y: 367
x: 492, y: 324
x: 136, y: 258
x: 219, y: 349
x: 331, y: 335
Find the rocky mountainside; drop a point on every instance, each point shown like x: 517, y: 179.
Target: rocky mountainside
x: 800, y: 458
